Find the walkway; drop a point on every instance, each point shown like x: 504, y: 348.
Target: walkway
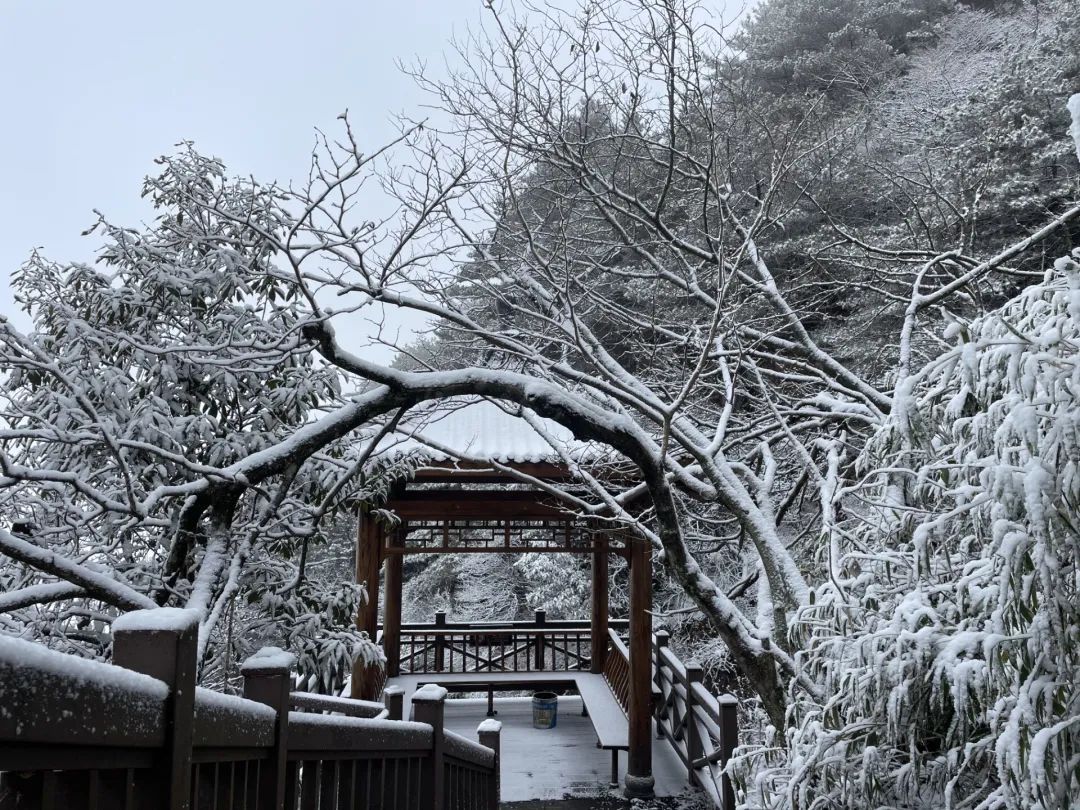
x: 684, y: 802
x: 559, y: 763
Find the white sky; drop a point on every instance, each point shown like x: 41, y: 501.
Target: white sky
x: 93, y: 90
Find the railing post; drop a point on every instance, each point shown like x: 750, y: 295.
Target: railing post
x: 660, y: 641
x: 440, y: 646
x: 694, y: 675
x: 162, y: 643
x: 393, y: 698
x: 268, y: 680
x: 428, y: 705
x: 729, y: 741
x: 488, y: 733
x: 541, y: 619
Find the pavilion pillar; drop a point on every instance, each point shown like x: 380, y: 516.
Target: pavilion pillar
x: 369, y: 538
x: 639, y: 778
x: 392, y: 604
x: 599, y: 616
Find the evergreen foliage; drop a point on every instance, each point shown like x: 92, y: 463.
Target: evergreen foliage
x: 949, y: 649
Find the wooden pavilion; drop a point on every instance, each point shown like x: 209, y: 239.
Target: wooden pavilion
x: 466, y: 499
x: 137, y: 733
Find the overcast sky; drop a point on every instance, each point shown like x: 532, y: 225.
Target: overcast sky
x: 93, y: 90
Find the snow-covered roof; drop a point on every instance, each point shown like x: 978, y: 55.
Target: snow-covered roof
x: 480, y: 430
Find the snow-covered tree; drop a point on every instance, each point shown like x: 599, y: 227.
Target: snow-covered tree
x: 174, y: 357
x: 947, y: 645
x: 600, y: 246
x: 626, y: 268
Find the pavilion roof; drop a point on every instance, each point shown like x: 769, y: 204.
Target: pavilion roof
x: 481, y: 430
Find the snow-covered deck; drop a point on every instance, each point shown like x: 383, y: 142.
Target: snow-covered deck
x: 557, y: 763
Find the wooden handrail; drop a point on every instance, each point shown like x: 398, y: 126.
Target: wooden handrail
x: 320, y: 732
x: 123, y: 738
x: 467, y: 750
x: 227, y: 721
x: 348, y: 707
x: 460, y: 647
x: 557, y: 624
x: 618, y: 644
x: 617, y: 669
x: 701, y: 728
x: 35, y: 689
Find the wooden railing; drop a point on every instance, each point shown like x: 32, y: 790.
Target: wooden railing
x: 702, y: 729
x: 617, y: 669
x: 537, y: 646
x: 137, y: 734
x: 310, y: 702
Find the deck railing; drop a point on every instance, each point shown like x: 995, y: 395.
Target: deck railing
x: 703, y: 729
x: 537, y: 646
x: 77, y: 734
x: 617, y: 669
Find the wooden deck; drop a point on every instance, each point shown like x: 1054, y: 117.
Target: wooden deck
x: 607, y: 717
x: 558, y: 763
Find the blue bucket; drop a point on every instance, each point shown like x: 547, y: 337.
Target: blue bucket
x: 545, y: 709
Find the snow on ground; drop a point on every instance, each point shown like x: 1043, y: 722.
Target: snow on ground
x: 687, y: 801
x: 558, y: 763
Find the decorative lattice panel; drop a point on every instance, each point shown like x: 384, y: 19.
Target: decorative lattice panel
x: 520, y: 536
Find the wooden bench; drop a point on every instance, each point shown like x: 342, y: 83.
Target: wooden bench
x: 600, y: 704
x: 607, y: 717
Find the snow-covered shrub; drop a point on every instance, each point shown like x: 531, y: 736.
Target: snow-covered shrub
x: 559, y: 584
x: 479, y: 587
x: 948, y: 649
x: 468, y: 587
x: 174, y: 356
x: 314, y: 620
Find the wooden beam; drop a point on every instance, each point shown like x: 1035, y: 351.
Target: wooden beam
x: 639, y: 778
x: 392, y: 604
x: 394, y: 551
x: 449, y: 472
x: 476, y: 473
x: 599, y: 616
x: 476, y: 505
x: 368, y: 554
